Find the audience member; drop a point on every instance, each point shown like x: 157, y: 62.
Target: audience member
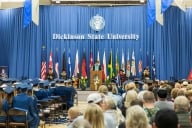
x: 162, y: 102
x: 136, y: 117
x: 82, y: 123
x: 73, y: 113
x: 148, y: 105
x: 95, y: 116
x: 182, y: 109
x: 166, y: 118
x: 130, y: 96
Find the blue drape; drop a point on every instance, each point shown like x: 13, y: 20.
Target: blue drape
x: 171, y: 44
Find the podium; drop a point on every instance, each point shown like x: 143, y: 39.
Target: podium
x: 95, y: 80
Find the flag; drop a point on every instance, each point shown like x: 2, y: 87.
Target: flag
x: 43, y: 64
x: 116, y: 64
x: 153, y: 68
x: 31, y: 12
x: 104, y: 70
x: 91, y: 63
x: 57, y: 64
x: 123, y: 61
x: 128, y: 67
x: 190, y: 75
x: 76, y: 70
x: 110, y: 66
x: 27, y: 12
x: 133, y: 70
x: 35, y: 11
x: 64, y: 61
x: 166, y: 4
x: 98, y: 57
x: 69, y: 64
x: 159, y: 15
x: 154, y: 12
x: 181, y: 4
x: 83, y: 68
x: 150, y: 12
x: 50, y: 61
x: 140, y: 65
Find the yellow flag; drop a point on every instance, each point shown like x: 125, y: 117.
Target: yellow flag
x: 35, y: 11
x: 159, y: 15
x: 181, y: 4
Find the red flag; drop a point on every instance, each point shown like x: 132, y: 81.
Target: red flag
x: 43, y: 65
x: 50, y: 61
x: 190, y: 75
x: 91, y: 61
x: 83, y: 68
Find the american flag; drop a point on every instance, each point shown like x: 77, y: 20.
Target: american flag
x: 43, y: 64
x: 76, y: 70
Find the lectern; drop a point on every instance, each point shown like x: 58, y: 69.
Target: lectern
x: 95, y: 80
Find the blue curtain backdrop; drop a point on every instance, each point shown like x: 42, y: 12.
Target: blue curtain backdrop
x: 171, y: 44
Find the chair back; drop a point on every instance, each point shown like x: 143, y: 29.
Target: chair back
x: 3, y: 118
x: 17, y: 113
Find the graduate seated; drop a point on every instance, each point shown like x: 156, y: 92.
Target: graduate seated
x: 25, y: 102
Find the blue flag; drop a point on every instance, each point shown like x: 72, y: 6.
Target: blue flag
x: 27, y: 12
x: 153, y: 68
x: 165, y: 4
x: 69, y: 65
x: 151, y: 12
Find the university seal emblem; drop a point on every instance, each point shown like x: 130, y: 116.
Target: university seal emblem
x: 97, y: 23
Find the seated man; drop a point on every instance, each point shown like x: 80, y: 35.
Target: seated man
x: 25, y: 102
x: 50, y: 75
x: 63, y: 74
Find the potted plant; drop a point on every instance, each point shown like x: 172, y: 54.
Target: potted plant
x: 83, y: 82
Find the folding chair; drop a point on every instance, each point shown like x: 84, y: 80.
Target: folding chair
x: 19, y: 113
x: 4, y: 115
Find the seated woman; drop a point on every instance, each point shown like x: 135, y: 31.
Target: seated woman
x: 63, y: 74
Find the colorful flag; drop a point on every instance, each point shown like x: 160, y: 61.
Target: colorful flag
x: 110, y: 66
x: 128, y: 66
x: 91, y: 63
x: 50, y: 61
x: 140, y: 65
x: 133, y: 69
x: 116, y: 64
x: 31, y: 12
x: 43, y: 64
x: 64, y: 61
x: 123, y: 61
x: 83, y: 68
x: 98, y: 57
x: 76, y: 70
x: 69, y: 64
x: 153, y: 68
x: 104, y: 69
x: 57, y: 64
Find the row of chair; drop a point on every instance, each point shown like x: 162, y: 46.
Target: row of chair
x: 9, y: 122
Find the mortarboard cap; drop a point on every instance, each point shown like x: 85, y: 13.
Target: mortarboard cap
x: 8, y: 89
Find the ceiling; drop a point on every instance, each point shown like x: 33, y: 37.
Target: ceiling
x: 5, y: 4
